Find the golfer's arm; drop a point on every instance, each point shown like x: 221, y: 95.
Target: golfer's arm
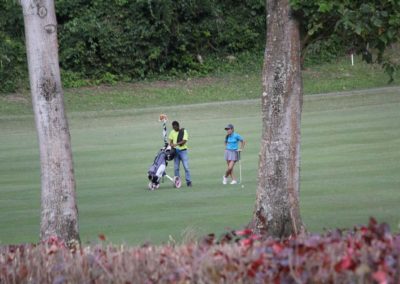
x: 242, y: 143
x: 183, y: 142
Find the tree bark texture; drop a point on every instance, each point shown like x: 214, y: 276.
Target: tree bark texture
x: 59, y: 213
x: 276, y: 210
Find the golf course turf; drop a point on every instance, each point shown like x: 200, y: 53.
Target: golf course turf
x: 349, y: 169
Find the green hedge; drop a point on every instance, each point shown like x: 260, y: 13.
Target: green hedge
x: 137, y: 39
x: 107, y: 41
x: 13, y: 70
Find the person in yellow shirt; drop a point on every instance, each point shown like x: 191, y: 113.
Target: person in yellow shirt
x: 178, y: 138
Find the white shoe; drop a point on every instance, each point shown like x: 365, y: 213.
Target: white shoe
x: 234, y: 182
x: 224, y: 180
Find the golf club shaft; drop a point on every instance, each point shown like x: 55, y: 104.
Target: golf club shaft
x: 240, y: 166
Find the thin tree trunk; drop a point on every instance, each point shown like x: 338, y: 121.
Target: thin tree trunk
x: 59, y: 214
x: 276, y: 210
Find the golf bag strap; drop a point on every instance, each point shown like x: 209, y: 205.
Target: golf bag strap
x: 180, y: 135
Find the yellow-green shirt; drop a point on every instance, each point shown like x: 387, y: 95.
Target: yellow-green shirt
x: 173, y: 135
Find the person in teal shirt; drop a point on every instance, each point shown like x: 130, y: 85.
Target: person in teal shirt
x: 232, y: 150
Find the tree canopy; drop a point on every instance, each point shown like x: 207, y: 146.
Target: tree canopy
x: 125, y: 40
x: 130, y: 40
x: 362, y: 27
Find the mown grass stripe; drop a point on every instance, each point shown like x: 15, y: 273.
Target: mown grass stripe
x: 349, y: 169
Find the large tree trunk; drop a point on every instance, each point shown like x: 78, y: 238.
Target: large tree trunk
x: 59, y: 214
x: 277, y: 211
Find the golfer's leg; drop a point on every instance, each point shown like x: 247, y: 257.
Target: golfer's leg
x: 231, y: 165
x: 227, y: 172
x: 185, y: 162
x: 176, y: 164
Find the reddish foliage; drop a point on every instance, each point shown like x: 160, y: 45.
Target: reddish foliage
x: 246, y: 232
x: 346, y: 263
x: 366, y: 254
x: 278, y: 247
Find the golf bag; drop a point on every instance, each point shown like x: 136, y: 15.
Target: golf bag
x: 158, y: 169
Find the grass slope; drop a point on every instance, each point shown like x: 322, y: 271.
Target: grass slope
x: 350, y: 154
x: 242, y: 82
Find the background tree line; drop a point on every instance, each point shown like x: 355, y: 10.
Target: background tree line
x: 121, y: 40
x: 129, y: 40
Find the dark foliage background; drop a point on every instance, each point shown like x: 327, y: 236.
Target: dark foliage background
x: 130, y: 40
x: 103, y: 41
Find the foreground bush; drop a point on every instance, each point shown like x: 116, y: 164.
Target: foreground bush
x: 366, y: 254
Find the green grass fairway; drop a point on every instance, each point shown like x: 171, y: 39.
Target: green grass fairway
x: 350, y: 169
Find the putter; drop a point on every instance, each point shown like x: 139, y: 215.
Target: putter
x: 240, y: 166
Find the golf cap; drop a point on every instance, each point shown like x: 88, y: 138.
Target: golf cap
x: 229, y: 126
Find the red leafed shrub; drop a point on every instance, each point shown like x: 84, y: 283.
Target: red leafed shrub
x: 366, y: 254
